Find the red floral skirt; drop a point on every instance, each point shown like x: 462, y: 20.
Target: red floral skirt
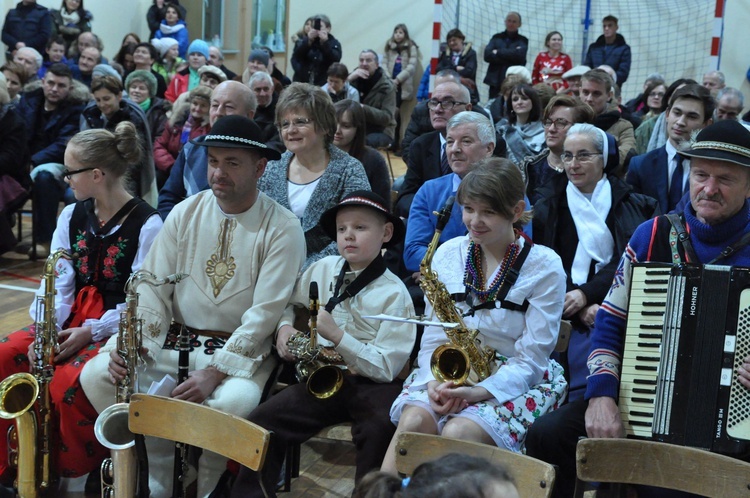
x: 78, y: 451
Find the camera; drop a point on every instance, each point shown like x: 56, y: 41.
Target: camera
x: 316, y: 23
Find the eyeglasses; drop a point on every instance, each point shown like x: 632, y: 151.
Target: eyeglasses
x: 68, y: 173
x: 296, y: 122
x: 656, y: 94
x: 558, y: 123
x: 446, y: 105
x: 582, y: 157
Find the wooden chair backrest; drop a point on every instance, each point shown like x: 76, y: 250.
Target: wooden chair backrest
x: 186, y: 422
x: 563, y: 337
x: 663, y: 465
x: 533, y: 478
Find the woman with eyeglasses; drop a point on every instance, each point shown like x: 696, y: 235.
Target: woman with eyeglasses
x: 653, y: 97
x: 523, y: 132
x: 587, y: 216
x: 111, y: 231
x: 313, y: 174
x: 561, y: 113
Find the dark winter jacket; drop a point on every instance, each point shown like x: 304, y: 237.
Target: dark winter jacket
x: 30, y: 24
x: 616, y: 56
x: 467, y: 60
x: 511, y: 51
x: 48, y: 145
x: 311, y: 60
x: 14, y: 151
x: 553, y: 227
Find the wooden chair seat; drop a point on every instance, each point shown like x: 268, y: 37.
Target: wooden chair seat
x: 533, y: 478
x: 153, y: 415
x: 662, y: 465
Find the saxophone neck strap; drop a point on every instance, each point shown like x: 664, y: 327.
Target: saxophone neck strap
x: 510, y: 279
x: 374, y: 270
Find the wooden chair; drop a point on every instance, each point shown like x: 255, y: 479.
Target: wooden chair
x: 533, y: 478
x: 28, y: 201
x: 563, y: 338
x: 663, y: 465
x: 386, y: 151
x: 229, y: 435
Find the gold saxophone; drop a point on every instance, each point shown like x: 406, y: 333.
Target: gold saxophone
x: 316, y: 365
x: 119, y: 473
x: 21, y: 391
x: 463, y: 360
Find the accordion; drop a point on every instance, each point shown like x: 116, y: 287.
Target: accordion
x: 688, y: 331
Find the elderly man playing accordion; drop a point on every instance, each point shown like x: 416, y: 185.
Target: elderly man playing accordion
x: 242, y: 252
x: 715, y: 224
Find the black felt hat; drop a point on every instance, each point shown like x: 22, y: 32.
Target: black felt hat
x: 725, y: 140
x: 237, y: 132
x: 367, y: 199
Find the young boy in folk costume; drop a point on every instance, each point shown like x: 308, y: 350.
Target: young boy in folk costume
x: 354, y: 285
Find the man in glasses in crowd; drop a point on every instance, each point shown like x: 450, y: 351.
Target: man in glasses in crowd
x: 427, y: 155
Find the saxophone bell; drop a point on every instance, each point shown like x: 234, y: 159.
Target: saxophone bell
x: 18, y: 393
x: 316, y: 366
x: 450, y: 364
x: 118, y: 472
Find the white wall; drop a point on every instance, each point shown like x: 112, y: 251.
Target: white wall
x: 112, y: 19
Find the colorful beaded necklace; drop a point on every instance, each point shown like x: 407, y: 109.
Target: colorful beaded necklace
x: 474, y: 276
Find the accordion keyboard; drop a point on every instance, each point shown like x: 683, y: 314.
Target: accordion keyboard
x: 638, y: 378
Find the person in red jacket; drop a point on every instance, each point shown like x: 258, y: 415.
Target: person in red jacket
x: 186, y: 123
x: 188, y: 78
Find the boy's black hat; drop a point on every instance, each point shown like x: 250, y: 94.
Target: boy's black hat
x: 367, y: 199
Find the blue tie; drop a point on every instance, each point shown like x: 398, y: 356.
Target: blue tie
x: 675, y: 187
x: 444, y: 166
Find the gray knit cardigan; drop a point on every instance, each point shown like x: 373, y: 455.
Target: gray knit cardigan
x: 343, y: 175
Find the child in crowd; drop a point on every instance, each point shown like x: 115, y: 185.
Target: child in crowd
x: 354, y: 285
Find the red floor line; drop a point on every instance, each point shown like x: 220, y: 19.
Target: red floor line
x: 22, y: 277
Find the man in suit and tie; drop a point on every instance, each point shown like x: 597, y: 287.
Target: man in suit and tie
x: 427, y: 156
x: 662, y: 173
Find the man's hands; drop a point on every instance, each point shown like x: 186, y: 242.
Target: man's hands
x: 603, y: 418
x: 358, y: 73
x: 199, y: 385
